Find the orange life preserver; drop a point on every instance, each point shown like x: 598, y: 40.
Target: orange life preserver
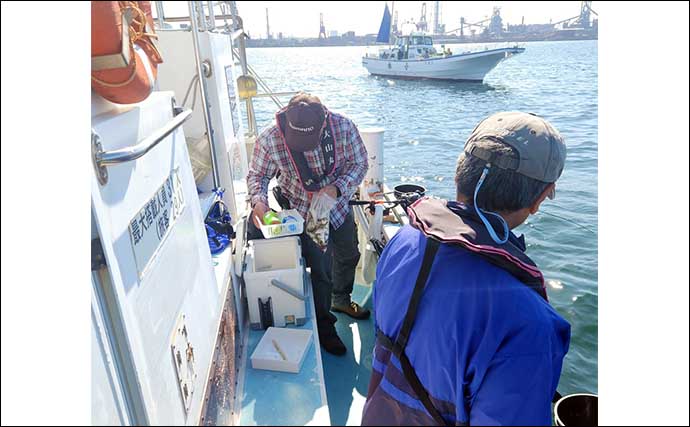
x: 111, y: 76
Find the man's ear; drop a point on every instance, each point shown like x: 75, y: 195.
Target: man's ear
x: 544, y: 194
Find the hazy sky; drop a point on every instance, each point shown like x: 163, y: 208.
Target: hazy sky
x: 301, y: 18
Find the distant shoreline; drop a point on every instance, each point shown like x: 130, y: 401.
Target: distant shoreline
x: 370, y: 41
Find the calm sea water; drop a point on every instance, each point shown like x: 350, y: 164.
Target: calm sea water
x: 427, y: 124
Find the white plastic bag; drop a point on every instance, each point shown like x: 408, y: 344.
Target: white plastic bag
x: 319, y: 218
x: 200, y: 157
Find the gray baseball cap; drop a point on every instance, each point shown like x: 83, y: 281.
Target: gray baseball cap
x: 541, y: 150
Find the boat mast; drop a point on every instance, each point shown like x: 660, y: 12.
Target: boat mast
x: 390, y: 29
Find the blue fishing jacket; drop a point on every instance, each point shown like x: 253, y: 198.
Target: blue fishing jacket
x: 487, y: 347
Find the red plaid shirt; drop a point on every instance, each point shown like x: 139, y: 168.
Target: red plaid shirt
x: 271, y: 155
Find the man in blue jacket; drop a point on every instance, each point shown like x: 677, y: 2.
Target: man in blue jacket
x: 465, y: 333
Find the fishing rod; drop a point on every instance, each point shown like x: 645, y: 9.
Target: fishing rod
x: 388, y: 205
x: 405, y: 195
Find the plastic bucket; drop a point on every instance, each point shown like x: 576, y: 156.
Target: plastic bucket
x: 577, y: 410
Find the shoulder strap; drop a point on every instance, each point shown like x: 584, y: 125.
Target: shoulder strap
x: 411, y: 314
x: 398, y: 348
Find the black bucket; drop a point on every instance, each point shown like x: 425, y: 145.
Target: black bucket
x: 408, y: 193
x: 577, y: 410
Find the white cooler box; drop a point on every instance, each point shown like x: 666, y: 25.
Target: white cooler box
x: 274, y: 281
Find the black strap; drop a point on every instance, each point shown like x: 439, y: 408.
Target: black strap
x: 411, y: 315
x: 311, y: 181
x: 282, y: 200
x: 398, y: 348
x: 502, y: 161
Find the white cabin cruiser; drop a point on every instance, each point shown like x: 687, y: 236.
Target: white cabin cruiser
x: 415, y: 57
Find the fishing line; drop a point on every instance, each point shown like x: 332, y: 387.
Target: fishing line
x: 568, y: 220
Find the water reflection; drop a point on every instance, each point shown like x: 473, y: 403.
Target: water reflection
x: 447, y: 86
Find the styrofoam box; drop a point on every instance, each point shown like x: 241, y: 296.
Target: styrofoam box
x: 279, y: 259
x: 294, y: 344
x: 290, y: 228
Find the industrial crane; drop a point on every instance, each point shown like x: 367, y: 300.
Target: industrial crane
x: 395, y: 24
x: 496, y: 24
x: 582, y: 20
x: 422, y: 25
x: 464, y: 24
x: 322, y: 29
x: 438, y: 27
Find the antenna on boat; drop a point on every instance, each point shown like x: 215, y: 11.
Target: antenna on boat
x: 390, y: 31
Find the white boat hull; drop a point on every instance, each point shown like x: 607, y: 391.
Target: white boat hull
x: 464, y: 67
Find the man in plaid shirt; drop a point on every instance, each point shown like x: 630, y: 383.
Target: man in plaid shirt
x: 310, y: 150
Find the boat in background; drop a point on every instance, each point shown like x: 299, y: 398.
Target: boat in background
x: 414, y: 56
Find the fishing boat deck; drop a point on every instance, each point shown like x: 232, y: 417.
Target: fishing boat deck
x: 347, y: 377
x: 281, y: 398
x: 328, y: 390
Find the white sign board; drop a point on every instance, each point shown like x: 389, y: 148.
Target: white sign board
x: 152, y: 224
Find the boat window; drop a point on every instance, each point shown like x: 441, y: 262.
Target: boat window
x: 417, y: 40
x: 428, y: 41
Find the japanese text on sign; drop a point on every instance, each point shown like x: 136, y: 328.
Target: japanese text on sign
x: 151, y: 224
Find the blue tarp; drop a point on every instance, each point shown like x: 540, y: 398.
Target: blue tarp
x: 385, y: 29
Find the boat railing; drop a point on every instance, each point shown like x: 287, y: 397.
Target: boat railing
x: 206, y: 21
x: 101, y: 158
x: 268, y: 93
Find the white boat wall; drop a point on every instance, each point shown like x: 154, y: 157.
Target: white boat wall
x: 157, y: 300
x: 165, y: 329
x: 473, y: 66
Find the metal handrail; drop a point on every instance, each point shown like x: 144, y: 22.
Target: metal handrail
x: 264, y: 86
x: 134, y: 152
x: 274, y: 94
x: 161, y: 14
x: 101, y: 158
x: 204, y: 92
x: 211, y: 16
x: 260, y: 81
x: 186, y: 18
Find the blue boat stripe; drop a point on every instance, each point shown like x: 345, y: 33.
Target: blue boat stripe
x: 505, y: 49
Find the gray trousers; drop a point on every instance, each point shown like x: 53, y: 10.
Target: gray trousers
x: 343, y: 248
